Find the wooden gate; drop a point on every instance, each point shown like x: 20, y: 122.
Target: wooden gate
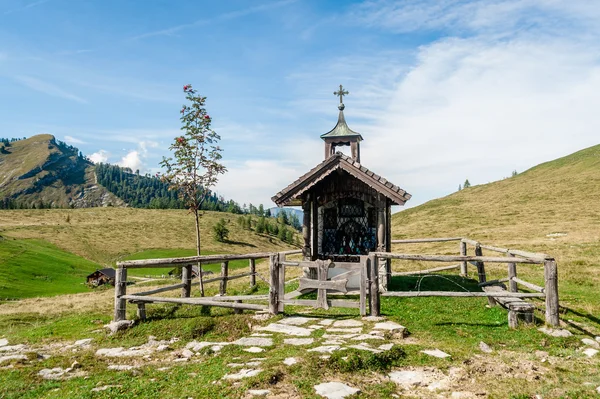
x: 333, y: 278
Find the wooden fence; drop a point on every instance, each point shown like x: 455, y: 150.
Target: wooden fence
x: 370, y: 286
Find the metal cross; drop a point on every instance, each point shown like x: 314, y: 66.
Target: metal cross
x: 341, y: 93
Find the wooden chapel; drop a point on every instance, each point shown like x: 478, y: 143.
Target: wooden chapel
x: 347, y: 208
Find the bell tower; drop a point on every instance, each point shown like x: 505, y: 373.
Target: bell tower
x: 341, y: 134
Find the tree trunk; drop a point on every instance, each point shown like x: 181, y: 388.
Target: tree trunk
x: 198, y: 251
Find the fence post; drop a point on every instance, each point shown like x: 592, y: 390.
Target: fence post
x: 120, y: 290
x: 274, y: 283
x: 281, y: 283
x: 463, y: 265
x: 512, y: 272
x: 374, y: 308
x: 224, y: 275
x: 186, y: 280
x: 551, y: 291
x: 253, y: 271
x: 481, y: 273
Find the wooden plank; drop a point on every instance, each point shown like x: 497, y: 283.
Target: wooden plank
x: 161, y: 289
x: 240, y: 298
x: 516, y: 252
x: 462, y: 294
x: 314, y: 228
x: 193, y: 301
x: 363, y: 289
x: 141, y: 311
x: 322, y: 273
x: 281, y: 282
x: 338, y: 285
x: 527, y: 284
x: 203, y: 259
x: 330, y: 303
x: 469, y: 241
x: 551, y: 288
x: 421, y: 240
x: 453, y: 258
x: 493, y: 282
x: 426, y: 271
x: 120, y: 291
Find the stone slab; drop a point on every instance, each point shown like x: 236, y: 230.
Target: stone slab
x: 555, y: 332
x: 589, y: 352
x: 347, y: 323
x: 286, y: 329
x: 259, y: 392
x: 335, y: 390
x: 436, y: 353
x: 254, y: 341
x: 357, y: 330
x: 296, y: 321
x: 325, y: 349
x: 254, y: 349
x: 290, y: 361
x: 243, y: 373
x: 298, y: 341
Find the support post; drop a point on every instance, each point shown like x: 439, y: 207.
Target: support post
x: 141, y: 311
x: 481, y: 272
x: 381, y: 241
x: 186, y: 280
x: 238, y: 310
x: 463, y: 265
x: 281, y: 283
x: 274, y: 284
x: 551, y: 291
x: 306, y: 235
x: 512, y: 272
x: 120, y: 290
x: 314, y: 230
x: 253, y: 271
x: 374, y: 307
x: 224, y: 275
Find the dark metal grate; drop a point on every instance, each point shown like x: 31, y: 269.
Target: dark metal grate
x: 351, y: 233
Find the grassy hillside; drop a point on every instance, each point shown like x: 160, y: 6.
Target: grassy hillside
x: 31, y: 268
x: 41, y: 171
x: 105, y: 235
x: 525, y: 212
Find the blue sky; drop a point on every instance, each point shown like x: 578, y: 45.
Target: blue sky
x: 440, y: 90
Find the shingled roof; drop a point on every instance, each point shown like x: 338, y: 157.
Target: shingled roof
x: 340, y: 161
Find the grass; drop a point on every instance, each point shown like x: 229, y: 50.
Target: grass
x: 31, y: 268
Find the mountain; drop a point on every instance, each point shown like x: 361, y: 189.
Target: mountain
x: 43, y: 172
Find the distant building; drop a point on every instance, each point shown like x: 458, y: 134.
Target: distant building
x: 101, y: 277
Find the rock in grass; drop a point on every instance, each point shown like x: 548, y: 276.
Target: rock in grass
x: 243, y: 373
x: 558, y: 332
x: 436, y: 353
x: 3, y: 342
x: 591, y: 342
x: 121, y: 325
x: 348, y: 323
x: 485, y: 348
x: 589, y: 352
x: 259, y: 392
x: 51, y: 374
x: 105, y: 387
x: 335, y: 390
x: 290, y: 361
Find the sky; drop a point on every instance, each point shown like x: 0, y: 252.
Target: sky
x: 441, y: 90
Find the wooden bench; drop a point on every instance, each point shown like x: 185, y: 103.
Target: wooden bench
x: 517, y: 307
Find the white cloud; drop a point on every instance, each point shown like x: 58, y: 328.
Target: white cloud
x: 100, y: 156
x: 73, y: 140
x: 132, y: 160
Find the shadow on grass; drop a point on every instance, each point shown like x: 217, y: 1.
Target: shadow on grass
x: 239, y: 243
x: 434, y: 282
x: 462, y: 323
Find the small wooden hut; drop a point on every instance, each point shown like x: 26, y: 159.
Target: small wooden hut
x: 101, y: 277
x: 347, y: 208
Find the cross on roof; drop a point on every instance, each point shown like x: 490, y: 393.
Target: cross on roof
x: 341, y: 93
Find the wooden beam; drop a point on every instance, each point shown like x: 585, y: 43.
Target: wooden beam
x: 481, y: 272
x: 512, y: 273
x: 527, y: 284
x: 422, y: 240
x: 407, y: 294
x: 240, y: 298
x: 161, y: 289
x: 454, y: 258
x: 493, y: 282
x: 314, y: 227
x: 141, y: 311
x: 186, y: 280
x: 375, y: 309
x: 338, y: 285
x: 330, y: 303
x: 193, y: 301
x: 224, y: 275
x: 203, y: 259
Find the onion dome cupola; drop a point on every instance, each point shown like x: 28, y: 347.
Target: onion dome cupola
x: 341, y: 134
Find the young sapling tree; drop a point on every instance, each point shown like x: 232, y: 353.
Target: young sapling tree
x: 196, y: 163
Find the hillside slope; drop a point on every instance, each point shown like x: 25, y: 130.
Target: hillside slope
x: 553, y: 208
x: 42, y: 172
